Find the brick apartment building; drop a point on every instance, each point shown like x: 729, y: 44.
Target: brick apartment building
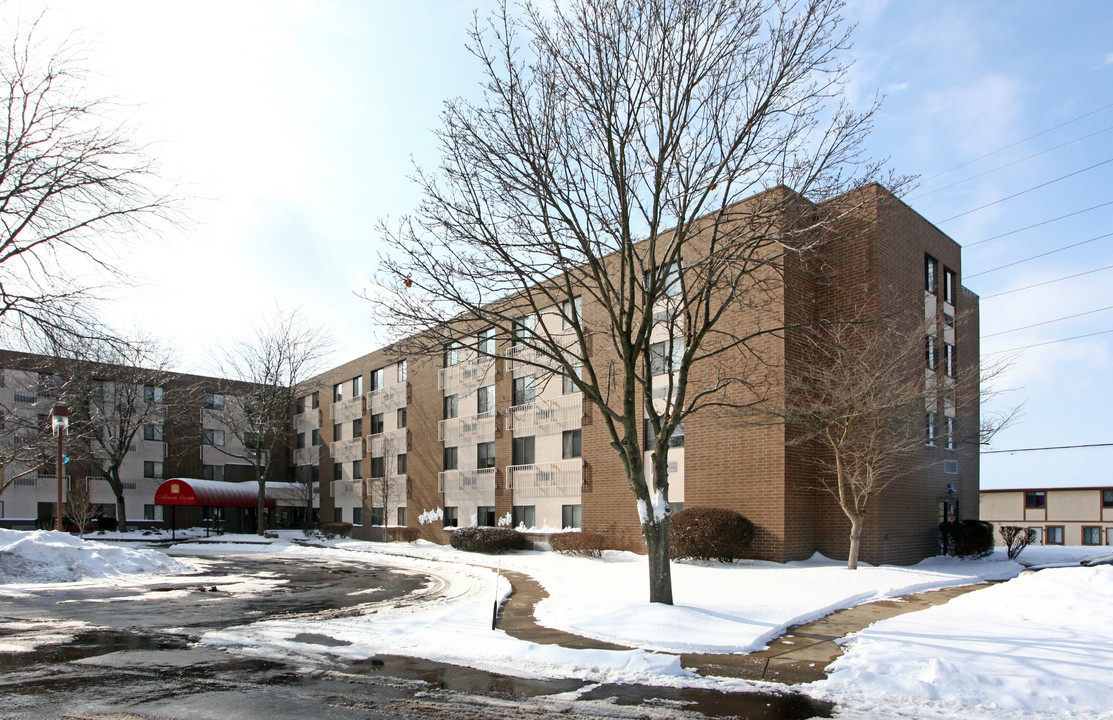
x: 481, y: 437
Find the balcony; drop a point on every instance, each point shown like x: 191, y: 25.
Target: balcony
x: 566, y: 412
x: 523, y: 359
x: 556, y: 478
x: 466, y: 480
x: 347, y: 450
x: 391, y: 442
x: 347, y: 490
x: 347, y: 410
x: 386, y: 399
x: 395, y: 487
x: 466, y: 377
x: 308, y: 420
x: 151, y: 449
x: 308, y: 455
x: 474, y: 428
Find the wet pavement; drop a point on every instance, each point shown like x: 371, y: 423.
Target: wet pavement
x: 119, y: 654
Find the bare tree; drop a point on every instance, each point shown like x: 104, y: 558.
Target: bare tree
x: 271, y: 363
x: 80, y: 508
x: 637, y: 155
x: 383, y: 491
x: 1016, y: 539
x: 71, y: 185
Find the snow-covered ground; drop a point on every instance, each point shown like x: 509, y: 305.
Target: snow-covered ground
x: 1035, y: 647
x: 51, y: 556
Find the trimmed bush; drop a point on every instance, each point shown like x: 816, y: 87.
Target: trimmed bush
x: 490, y: 540
x: 403, y: 534
x: 583, y: 544
x: 967, y: 539
x: 336, y: 529
x: 705, y: 533
x: 1016, y: 539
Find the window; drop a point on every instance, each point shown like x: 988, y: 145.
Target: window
x: 378, y: 515
x: 485, y: 455
x: 451, y: 517
x: 213, y: 437
x: 485, y: 399
x: 451, y: 406
x: 571, y: 311
x: 523, y: 515
x: 929, y: 427
x: 402, y: 517
x: 301, y: 441
x: 523, y: 392
x: 378, y: 467
x: 670, y: 281
x: 337, y: 431
x: 523, y: 329
x: 377, y: 377
x: 152, y: 432
x: 451, y: 354
x: 377, y: 424
x: 152, y: 512
x: 568, y: 386
x: 337, y: 471
x: 1107, y: 498
x: 357, y: 386
x: 949, y: 359
x: 1091, y: 536
x: 485, y: 516
x: 299, y: 406
x: 357, y: 426
x: 401, y: 463
x: 485, y: 342
x: 572, y: 444
x: 451, y: 459
x: 212, y: 401
x: 357, y: 516
x: 665, y: 356
x: 152, y: 393
x: 929, y: 352
x: 314, y: 437
x: 523, y: 451
x: 677, y: 439
x: 931, y: 269
x: 949, y: 433
x: 338, y: 392
x: 212, y: 472
x: 1053, y: 535
x: 401, y: 418
x: 357, y: 469
x: 315, y: 401
x: 948, y: 285
x: 571, y: 516
x: 402, y: 371
x: 338, y: 514
x: 1035, y: 499
x: 152, y: 469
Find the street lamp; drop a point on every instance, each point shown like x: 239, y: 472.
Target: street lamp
x: 60, y: 425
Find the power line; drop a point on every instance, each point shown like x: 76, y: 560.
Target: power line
x: 1045, y: 222
x: 1014, y: 162
x: 1024, y: 192
x: 1055, y: 447
x: 1049, y: 342
x: 1047, y: 322
x: 1036, y: 257
x: 1046, y: 282
x: 1018, y: 142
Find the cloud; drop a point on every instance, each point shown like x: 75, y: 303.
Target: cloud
x: 1108, y: 59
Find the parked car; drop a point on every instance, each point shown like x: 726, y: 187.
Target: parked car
x: 1102, y: 559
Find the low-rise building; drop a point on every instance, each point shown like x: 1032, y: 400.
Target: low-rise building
x: 1058, y: 516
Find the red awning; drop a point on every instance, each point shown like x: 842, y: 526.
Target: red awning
x: 209, y: 493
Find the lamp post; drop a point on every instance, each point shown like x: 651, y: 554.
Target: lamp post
x: 59, y: 424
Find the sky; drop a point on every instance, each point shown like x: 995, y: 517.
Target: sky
x: 291, y: 127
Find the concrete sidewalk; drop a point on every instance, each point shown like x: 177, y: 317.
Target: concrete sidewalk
x: 798, y: 656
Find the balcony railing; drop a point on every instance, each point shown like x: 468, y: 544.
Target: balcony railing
x: 466, y: 377
x: 522, y: 357
x: 474, y: 428
x: 394, y: 441
x: 152, y: 449
x: 347, y: 410
x: 558, y: 478
x: 347, y: 489
x: 567, y: 412
x: 466, y: 480
x: 347, y: 450
x: 396, y: 489
x: 387, y: 398
x: 308, y: 420
x: 308, y: 455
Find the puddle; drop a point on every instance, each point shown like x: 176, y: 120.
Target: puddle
x: 460, y: 679
x: 92, y: 643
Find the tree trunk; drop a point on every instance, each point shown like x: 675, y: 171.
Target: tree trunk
x: 261, y: 515
x: 121, y: 513
x: 660, y: 571
x: 855, y: 542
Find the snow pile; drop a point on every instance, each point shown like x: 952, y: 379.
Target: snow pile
x: 44, y: 557
x: 1041, y: 643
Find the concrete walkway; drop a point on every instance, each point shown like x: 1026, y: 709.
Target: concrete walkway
x: 798, y: 656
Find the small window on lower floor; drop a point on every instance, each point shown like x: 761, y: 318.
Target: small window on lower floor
x: 357, y: 516
x: 402, y: 517
x: 377, y: 516
x: 338, y: 514
x: 1091, y: 536
x: 152, y: 469
x: 571, y: 516
x: 152, y: 512
x: 485, y: 516
x: 1053, y: 535
x: 451, y: 517
x: 523, y: 515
